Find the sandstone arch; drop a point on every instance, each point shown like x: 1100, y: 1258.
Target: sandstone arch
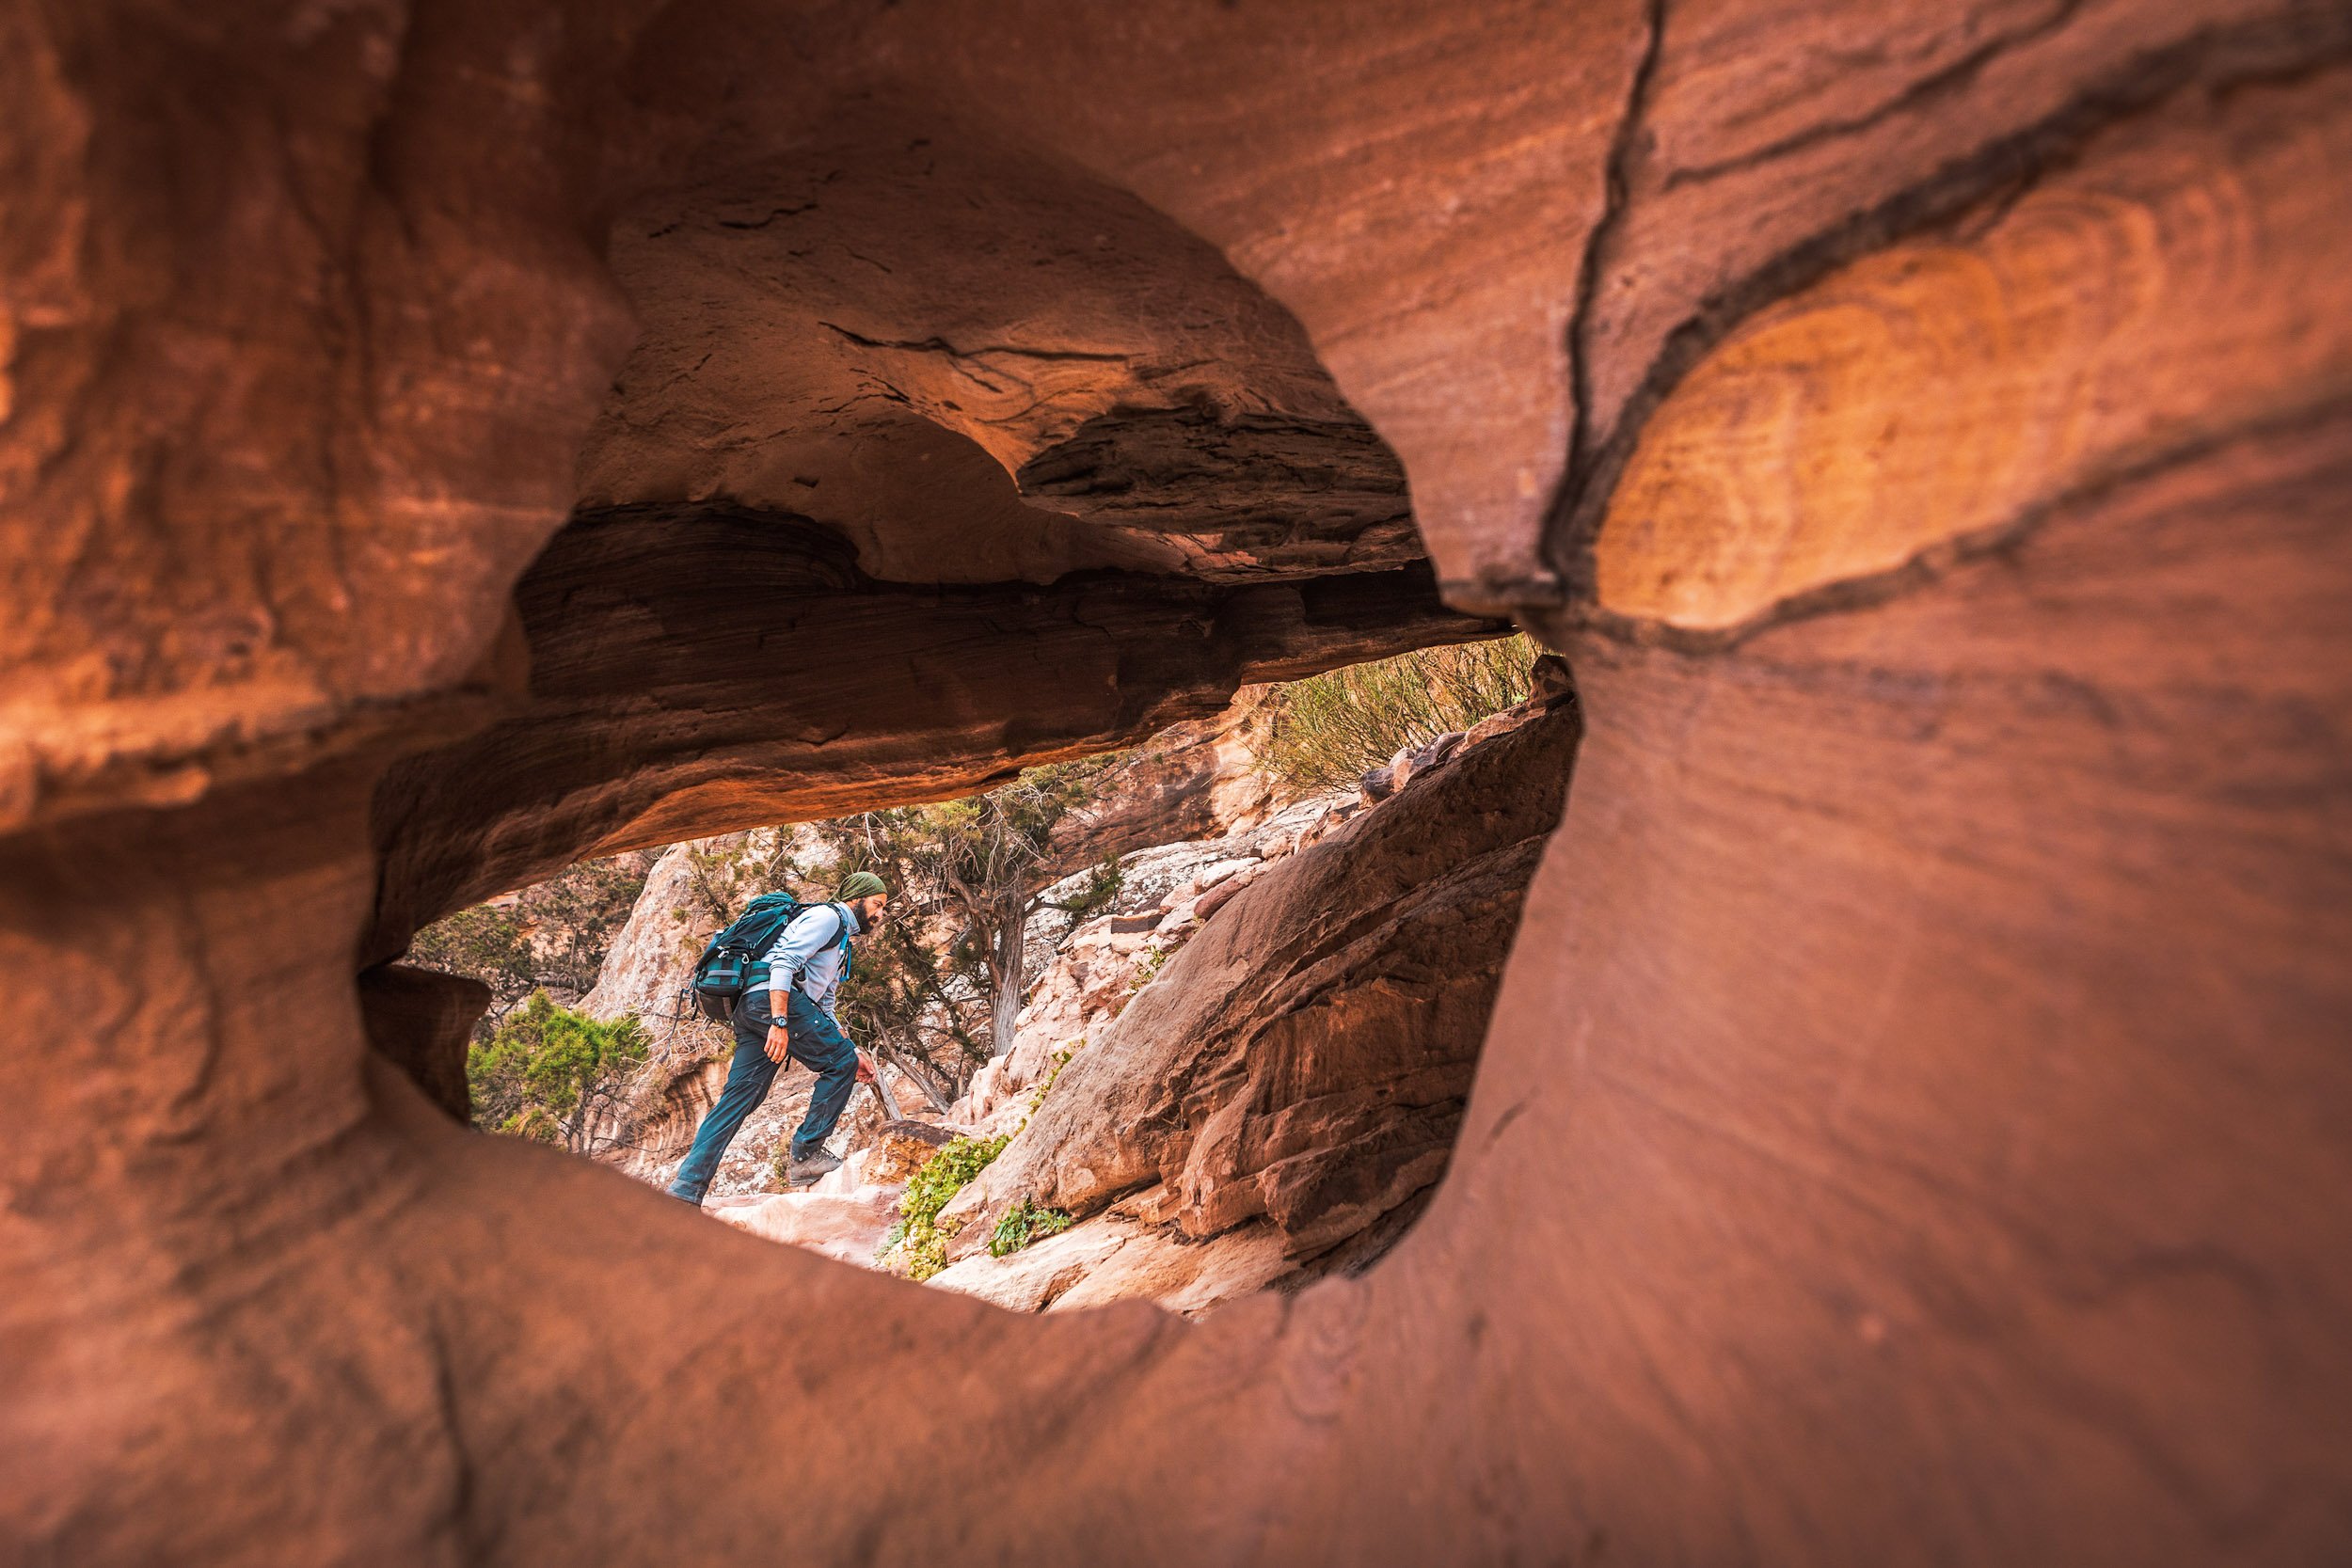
x: 1912, y: 1126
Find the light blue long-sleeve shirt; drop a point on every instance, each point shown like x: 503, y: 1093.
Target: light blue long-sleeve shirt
x: 810, y: 948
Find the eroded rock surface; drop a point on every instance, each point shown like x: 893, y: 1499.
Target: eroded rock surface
x: 1912, y: 1116
x: 1305, y: 1055
x: 750, y: 673
x: 1088, y: 975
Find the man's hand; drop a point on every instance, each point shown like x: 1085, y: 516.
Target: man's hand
x: 778, y: 1043
x: 865, y: 1069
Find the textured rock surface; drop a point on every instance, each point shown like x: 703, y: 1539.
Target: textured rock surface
x: 1913, y: 1121
x: 653, y: 955
x: 1965, y: 1095
x: 1305, y: 1057
x: 1118, y: 1258
x: 1086, y: 976
x: 901, y: 1149
x: 843, y: 1226
x: 1043, y: 375
x: 1198, y: 780
x: 749, y: 672
x: 421, y: 1020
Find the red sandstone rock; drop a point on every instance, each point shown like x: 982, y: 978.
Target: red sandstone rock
x: 1305, y: 1057
x: 422, y: 1021
x: 1912, y: 1122
x: 902, y: 1148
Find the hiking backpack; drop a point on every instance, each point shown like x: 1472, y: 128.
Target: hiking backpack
x: 725, y: 967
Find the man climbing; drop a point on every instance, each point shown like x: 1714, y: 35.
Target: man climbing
x: 805, y: 965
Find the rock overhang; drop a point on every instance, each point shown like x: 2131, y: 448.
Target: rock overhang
x: 1839, y: 1184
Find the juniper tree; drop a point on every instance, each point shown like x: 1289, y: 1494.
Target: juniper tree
x: 554, y: 936
x: 973, y: 871
x: 554, y: 1076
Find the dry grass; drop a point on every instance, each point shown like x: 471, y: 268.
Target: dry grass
x: 1329, y: 729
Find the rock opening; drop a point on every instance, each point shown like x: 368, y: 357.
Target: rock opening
x: 433, y: 436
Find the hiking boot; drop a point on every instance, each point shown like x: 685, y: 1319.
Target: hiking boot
x: 802, y: 1172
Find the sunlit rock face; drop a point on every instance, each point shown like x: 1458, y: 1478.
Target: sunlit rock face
x: 1912, y: 1118
x: 1305, y: 1058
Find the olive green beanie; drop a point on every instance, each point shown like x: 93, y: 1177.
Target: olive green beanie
x: 860, y: 884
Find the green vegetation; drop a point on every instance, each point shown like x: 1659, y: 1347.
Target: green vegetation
x: 1148, y: 967
x: 548, y: 1073
x: 1061, y: 1060
x: 552, y: 936
x: 1024, y: 1223
x: 967, y: 876
x: 943, y: 1176
x: 1331, y: 728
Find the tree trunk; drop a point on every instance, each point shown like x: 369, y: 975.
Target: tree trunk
x: 918, y: 1075
x: 1004, y: 969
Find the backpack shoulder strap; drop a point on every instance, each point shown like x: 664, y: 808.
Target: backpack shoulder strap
x: 848, y: 953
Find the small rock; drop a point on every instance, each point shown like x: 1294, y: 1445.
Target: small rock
x: 1212, y: 902
x: 1224, y: 871
x: 1554, y: 682
x: 903, y: 1149
x: 1501, y: 723
x: 1437, y: 750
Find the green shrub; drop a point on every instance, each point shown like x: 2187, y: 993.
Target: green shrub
x: 1097, y: 894
x: 1148, y: 968
x: 548, y: 1073
x: 553, y: 934
x: 1024, y: 1223
x: 1061, y: 1060
x: 943, y: 1176
x: 1331, y: 728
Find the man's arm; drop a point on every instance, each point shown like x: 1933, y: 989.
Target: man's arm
x: 804, y: 937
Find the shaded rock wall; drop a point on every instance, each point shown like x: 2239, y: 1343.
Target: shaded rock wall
x: 421, y: 1021
x: 980, y: 364
x: 1912, y: 1122
x: 691, y: 672
x: 1198, y: 779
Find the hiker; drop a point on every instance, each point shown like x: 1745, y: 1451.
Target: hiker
x: 806, y: 964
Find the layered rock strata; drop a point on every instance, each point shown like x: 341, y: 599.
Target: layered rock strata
x: 1913, y: 1116
x: 750, y: 673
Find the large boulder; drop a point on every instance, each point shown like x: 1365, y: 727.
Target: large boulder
x: 1305, y: 1057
